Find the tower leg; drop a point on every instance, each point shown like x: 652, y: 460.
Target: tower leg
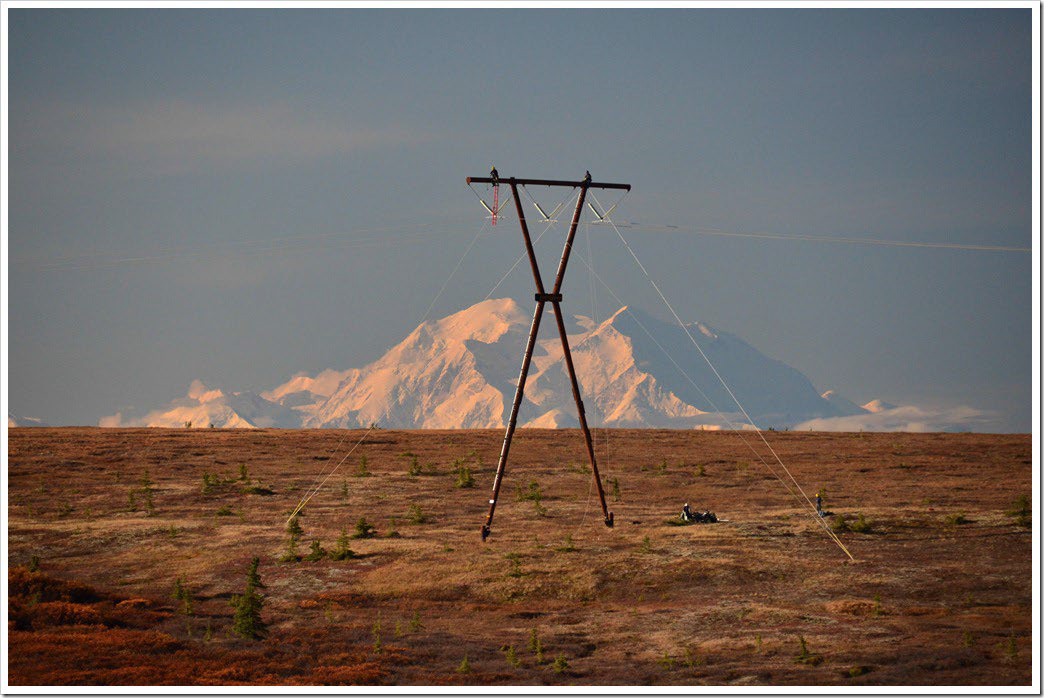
x: 581, y: 414
x: 527, y: 358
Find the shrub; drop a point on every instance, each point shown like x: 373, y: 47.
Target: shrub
x: 147, y: 493
x: 182, y: 594
x: 393, y: 532
x: 464, y: 477
x: 342, y: 551
x: 225, y: 510
x: 375, y: 630
x: 316, y: 552
x: 344, y: 490
x: 247, y: 621
x: 535, y: 647
x: 569, y: 546
x: 464, y: 667
x: 560, y: 665
x: 362, y: 470
x: 531, y: 493
x: 259, y: 490
x: 806, y: 657
x: 243, y: 472
x: 417, y: 516
x: 34, y: 563
x: 1022, y: 511
x: 415, y: 622
x: 700, y: 471
x: 294, y: 533
x: 253, y: 576
x: 862, y: 525
x: 363, y: 529
x: 615, y: 484
x: 839, y: 525
x: 516, y: 564
x: 956, y: 519
x: 1011, y: 649
x: 414, y: 468
x: 511, y: 656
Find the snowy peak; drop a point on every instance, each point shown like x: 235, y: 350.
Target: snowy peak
x: 634, y: 370
x: 875, y: 406
x: 843, y: 404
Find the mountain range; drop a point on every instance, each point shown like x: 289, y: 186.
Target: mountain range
x: 459, y: 372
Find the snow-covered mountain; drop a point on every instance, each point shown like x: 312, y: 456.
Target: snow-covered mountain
x: 16, y: 421
x: 460, y: 372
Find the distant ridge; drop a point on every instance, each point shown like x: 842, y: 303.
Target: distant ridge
x: 459, y: 371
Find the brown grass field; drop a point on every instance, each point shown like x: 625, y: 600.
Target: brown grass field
x: 940, y: 592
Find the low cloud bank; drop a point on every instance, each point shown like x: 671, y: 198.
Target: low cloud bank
x: 905, y: 418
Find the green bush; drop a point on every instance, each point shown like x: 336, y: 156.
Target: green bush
x: 363, y: 529
x: 316, y: 552
x: 181, y: 593
x: 417, y: 516
x: 530, y: 493
x: 362, y: 470
x: 294, y: 533
x: 805, y: 656
x: 464, y: 477
x: 862, y: 525
x: 1022, y: 511
x: 343, y: 551
x: 247, y: 621
x: 516, y: 564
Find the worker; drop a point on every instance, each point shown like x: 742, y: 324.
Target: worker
x: 687, y: 515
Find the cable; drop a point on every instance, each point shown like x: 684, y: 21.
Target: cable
x: 820, y: 238
x: 729, y: 390
x: 314, y: 490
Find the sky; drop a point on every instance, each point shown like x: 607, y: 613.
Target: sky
x: 237, y: 196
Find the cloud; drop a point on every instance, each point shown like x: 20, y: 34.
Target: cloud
x: 115, y: 420
x: 173, y: 136
x: 906, y: 418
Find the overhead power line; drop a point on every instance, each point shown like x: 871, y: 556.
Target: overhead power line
x: 650, y: 227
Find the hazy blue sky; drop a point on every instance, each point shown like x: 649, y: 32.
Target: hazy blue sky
x: 194, y: 139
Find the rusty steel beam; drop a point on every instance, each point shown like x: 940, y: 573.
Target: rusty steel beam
x: 549, y: 183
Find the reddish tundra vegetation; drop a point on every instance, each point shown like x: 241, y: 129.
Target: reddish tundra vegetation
x: 130, y: 552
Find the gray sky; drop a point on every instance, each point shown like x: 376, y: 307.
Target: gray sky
x: 237, y: 196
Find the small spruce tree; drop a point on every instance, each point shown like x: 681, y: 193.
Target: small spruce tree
x: 343, y: 550
x: 294, y: 531
x: 364, y: 529
x: 247, y: 621
x: 316, y: 553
